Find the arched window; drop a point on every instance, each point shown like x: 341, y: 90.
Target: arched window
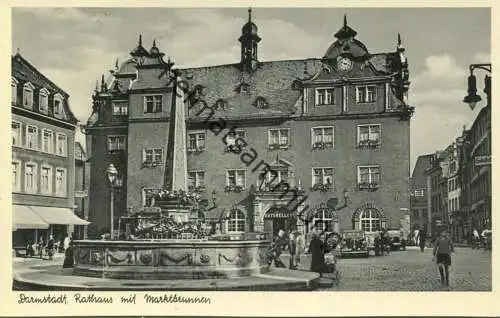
x: 236, y: 222
x: 260, y: 102
x: 322, y: 219
x: 370, y: 220
x: 43, y: 102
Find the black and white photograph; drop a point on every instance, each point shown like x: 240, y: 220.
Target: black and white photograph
x: 250, y: 148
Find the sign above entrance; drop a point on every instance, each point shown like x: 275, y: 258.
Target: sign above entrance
x: 282, y: 213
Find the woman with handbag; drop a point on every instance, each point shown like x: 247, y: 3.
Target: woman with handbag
x: 443, y: 247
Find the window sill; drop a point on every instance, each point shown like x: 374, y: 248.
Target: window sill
x: 321, y: 105
x: 370, y: 102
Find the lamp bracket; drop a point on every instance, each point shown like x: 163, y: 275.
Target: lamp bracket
x: 485, y: 67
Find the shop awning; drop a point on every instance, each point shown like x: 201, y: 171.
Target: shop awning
x: 53, y: 215
x: 25, y: 218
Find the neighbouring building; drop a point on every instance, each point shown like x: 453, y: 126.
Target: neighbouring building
x: 475, y: 170
x: 437, y: 186
x: 43, y: 160
x: 419, y: 195
x: 81, y: 189
x: 336, y: 128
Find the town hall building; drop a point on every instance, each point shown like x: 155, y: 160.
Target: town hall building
x: 335, y: 129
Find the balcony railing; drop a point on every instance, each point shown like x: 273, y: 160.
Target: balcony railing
x: 319, y: 145
x: 368, y: 186
x: 234, y: 188
x: 369, y: 143
x: 322, y: 187
x: 279, y: 146
x: 151, y: 164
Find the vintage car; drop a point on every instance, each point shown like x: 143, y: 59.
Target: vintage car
x: 354, y: 243
x: 397, y: 240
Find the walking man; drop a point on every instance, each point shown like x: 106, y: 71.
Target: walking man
x: 292, y: 248
x: 443, y: 248
x: 300, y: 245
x: 421, y: 238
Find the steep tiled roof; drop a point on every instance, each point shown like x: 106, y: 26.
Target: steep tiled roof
x: 272, y: 81
x: 418, y: 175
x: 24, y: 72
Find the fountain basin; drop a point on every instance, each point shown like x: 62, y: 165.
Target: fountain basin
x: 170, y: 259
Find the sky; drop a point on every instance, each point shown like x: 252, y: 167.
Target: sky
x: 74, y: 46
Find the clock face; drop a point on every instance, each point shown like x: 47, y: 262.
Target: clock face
x: 344, y: 64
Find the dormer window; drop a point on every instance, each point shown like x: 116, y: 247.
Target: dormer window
x: 220, y: 104
x: 261, y: 102
x: 43, y: 100
x: 13, y: 88
x: 325, y: 96
x: 28, y: 95
x: 243, y: 88
x: 58, y: 105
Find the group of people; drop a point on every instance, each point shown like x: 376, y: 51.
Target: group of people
x: 295, y: 243
x: 49, y: 248
x: 481, y: 240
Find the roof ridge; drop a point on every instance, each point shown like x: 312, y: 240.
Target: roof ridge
x: 33, y: 68
x: 260, y: 62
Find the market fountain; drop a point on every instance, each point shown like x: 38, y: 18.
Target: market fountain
x: 169, y: 239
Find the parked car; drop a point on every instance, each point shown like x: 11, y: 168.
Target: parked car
x: 353, y: 242
x: 397, y: 240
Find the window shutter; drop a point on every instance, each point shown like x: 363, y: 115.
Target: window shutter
x: 143, y: 155
x: 144, y: 104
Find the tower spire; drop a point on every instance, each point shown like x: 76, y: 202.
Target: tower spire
x: 116, y: 63
x: 250, y: 14
x: 154, y: 42
x: 249, y: 44
x: 140, y: 39
x: 345, y: 20
x: 103, y: 85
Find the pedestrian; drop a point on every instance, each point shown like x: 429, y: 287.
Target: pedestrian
x: 50, y: 247
x: 40, y: 247
x: 292, y: 248
x: 317, y: 250
x: 300, y: 244
x: 443, y: 248
x: 66, y: 242
x: 421, y: 239
x: 68, y: 256
x: 475, y: 239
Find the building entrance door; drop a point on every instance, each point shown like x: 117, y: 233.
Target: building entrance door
x: 277, y: 219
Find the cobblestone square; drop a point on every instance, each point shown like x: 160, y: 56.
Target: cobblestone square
x: 412, y: 270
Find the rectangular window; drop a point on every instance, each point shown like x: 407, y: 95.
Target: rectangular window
x: 57, y: 106
x: 153, y: 104
x: 196, y: 179
x: 30, y: 176
x: 322, y: 137
x: 28, y: 97
x: 196, y: 141
x: 323, y: 176
x: 116, y: 143
x: 31, y: 137
x: 152, y: 156
x: 16, y: 176
x: 16, y: 134
x: 419, y: 192
x: 43, y: 101
x: 325, y: 96
x: 47, y: 141
x: 62, y: 145
x: 61, y: 182
x: 369, y: 135
x: 366, y: 94
x: 231, y: 138
x: 236, y: 178
x: 13, y: 89
x: 46, y: 180
x: 279, y: 137
x: 369, y: 175
x: 120, y: 109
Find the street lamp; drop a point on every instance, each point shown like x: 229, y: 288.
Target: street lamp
x: 472, y: 97
x: 112, y: 173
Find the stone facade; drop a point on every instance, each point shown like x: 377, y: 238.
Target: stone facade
x: 38, y: 103
x: 354, y: 100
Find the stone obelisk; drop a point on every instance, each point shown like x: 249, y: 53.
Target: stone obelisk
x: 176, y: 154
